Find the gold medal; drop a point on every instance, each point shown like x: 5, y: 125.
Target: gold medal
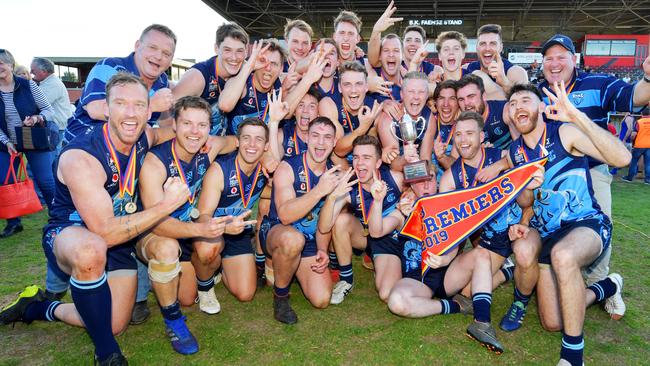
x: 130, y: 208
x: 310, y: 216
x: 365, y: 231
x: 194, y: 213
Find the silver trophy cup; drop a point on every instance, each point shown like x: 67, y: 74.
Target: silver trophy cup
x: 415, y: 171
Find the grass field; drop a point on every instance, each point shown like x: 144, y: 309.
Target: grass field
x: 359, y: 331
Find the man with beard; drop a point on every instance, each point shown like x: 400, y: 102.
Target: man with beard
x: 208, y: 78
x: 414, y: 96
x: 232, y: 186
x: 152, y: 56
x: 390, y: 69
x: 289, y: 233
x: 373, y: 222
x: 167, y: 248
x: 470, y: 93
x: 357, y: 112
x: 93, y: 220
x: 595, y: 95
x: 574, y: 231
x: 489, y: 46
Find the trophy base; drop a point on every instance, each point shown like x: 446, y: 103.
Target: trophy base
x: 416, y: 172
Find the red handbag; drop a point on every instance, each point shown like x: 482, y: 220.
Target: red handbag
x: 19, y: 198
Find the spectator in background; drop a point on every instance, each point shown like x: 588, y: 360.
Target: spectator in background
x: 22, y: 104
x: 641, y: 138
x: 55, y: 92
x: 22, y: 71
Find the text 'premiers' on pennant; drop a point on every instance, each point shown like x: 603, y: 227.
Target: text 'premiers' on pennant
x: 441, y: 222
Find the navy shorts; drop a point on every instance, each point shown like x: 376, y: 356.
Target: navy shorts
x: 187, y: 247
x: 433, y: 279
x: 309, y: 250
x: 119, y: 257
x: 499, y: 243
x: 600, y: 224
x: 385, y: 245
x: 238, y: 244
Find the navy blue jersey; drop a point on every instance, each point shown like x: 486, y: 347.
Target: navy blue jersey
x: 193, y: 171
x: 95, y: 89
x: 253, y: 104
x: 596, y: 95
x: 333, y: 92
x: 495, y: 129
x: 395, y: 89
x: 303, y: 181
x: 237, y: 184
x: 211, y: 91
x: 446, y: 133
x: 291, y: 142
x: 349, y: 121
x: 476, y: 65
x: 360, y: 201
x: 62, y: 211
x: 566, y: 195
x: 464, y: 177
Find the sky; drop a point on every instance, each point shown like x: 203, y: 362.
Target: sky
x: 91, y: 28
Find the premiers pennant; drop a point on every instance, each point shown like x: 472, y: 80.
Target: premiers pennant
x: 443, y: 221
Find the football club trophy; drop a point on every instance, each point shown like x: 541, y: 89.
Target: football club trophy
x: 418, y: 170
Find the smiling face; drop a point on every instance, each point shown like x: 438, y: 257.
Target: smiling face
x: 154, y: 54
x: 412, y: 42
x: 525, y: 109
x: 306, y: 111
x: 299, y: 43
x: 467, y: 138
x: 487, y: 47
x: 559, y: 64
x: 346, y: 37
x: 192, y: 128
x: 365, y: 161
x: 353, y: 86
x: 266, y: 76
x: 231, y: 53
x: 447, y: 104
x: 470, y: 99
x: 320, y: 142
x: 252, y: 143
x: 332, y: 59
x: 128, y: 112
x: 426, y: 187
x: 451, y: 54
x: 414, y: 95
x: 391, y: 56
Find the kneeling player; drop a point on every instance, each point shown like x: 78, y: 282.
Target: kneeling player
x: 169, y: 242
x: 289, y: 234
x: 372, y: 223
x: 231, y: 187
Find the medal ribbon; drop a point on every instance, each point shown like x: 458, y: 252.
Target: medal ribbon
x: 126, y: 181
x: 181, y: 172
x: 306, y: 168
x: 486, y: 112
x: 257, y: 106
x: 348, y: 120
x: 216, y: 73
x: 540, y: 143
x: 399, y: 82
x: 364, y: 213
x: 295, y: 139
x: 245, y: 200
x: 478, y: 169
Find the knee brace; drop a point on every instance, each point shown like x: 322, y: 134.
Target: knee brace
x: 163, y: 272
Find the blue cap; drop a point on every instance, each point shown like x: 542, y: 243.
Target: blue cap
x: 560, y: 39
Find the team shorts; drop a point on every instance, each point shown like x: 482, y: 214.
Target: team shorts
x: 433, y: 279
x: 499, y: 243
x: 239, y: 244
x: 309, y: 250
x: 599, y: 224
x: 385, y: 245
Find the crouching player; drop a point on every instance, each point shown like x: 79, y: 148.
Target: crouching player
x: 167, y: 247
x: 373, y: 221
x: 231, y: 187
x: 289, y: 234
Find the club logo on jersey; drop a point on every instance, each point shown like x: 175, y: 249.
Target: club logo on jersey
x: 289, y: 150
x: 303, y: 186
x: 577, y: 98
x: 114, y: 178
x: 232, y: 180
x: 260, y: 183
x: 233, y: 190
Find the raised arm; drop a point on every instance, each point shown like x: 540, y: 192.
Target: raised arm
x: 192, y: 83
x: 85, y: 178
x: 235, y: 87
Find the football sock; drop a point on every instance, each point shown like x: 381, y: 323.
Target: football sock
x: 508, y: 273
x: 42, y: 310
x: 259, y: 261
x: 482, y: 302
x: 346, y: 273
x: 524, y: 299
x: 334, y: 260
x: 281, y: 291
x: 205, y: 285
x: 171, y: 312
x: 603, y: 289
x: 572, y: 348
x: 449, y: 307
x: 93, y: 302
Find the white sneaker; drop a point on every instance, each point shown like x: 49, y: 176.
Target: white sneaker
x: 208, y: 302
x: 217, y: 278
x: 614, y: 304
x: 341, y: 290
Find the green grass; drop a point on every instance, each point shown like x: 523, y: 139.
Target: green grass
x: 359, y: 331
